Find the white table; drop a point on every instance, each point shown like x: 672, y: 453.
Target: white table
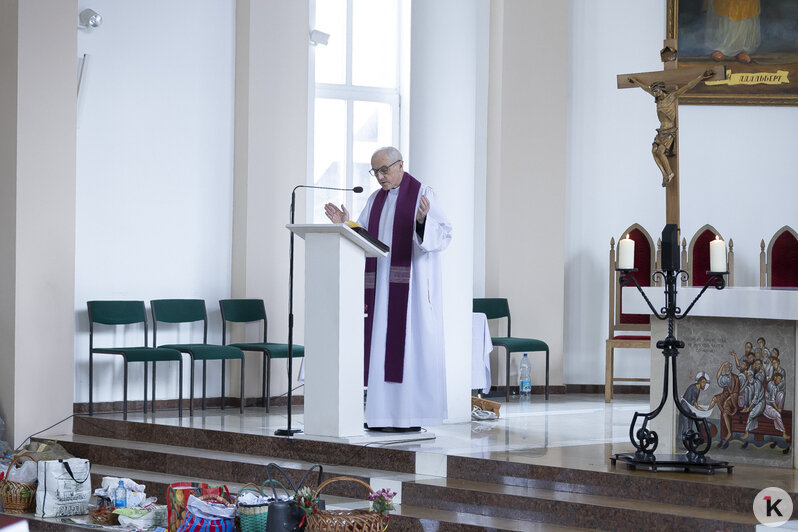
x: 481, y: 346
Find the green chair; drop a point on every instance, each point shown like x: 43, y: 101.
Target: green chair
x: 248, y: 311
x: 188, y: 311
x: 495, y: 308
x: 129, y: 313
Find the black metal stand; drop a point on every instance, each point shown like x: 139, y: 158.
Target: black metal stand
x: 698, y: 441
x: 289, y: 431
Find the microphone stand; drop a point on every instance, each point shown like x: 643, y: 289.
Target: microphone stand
x: 289, y: 431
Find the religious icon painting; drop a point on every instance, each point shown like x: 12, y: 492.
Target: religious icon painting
x: 756, y: 40
x: 738, y: 374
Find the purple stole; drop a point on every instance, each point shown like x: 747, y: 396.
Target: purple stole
x: 404, y: 223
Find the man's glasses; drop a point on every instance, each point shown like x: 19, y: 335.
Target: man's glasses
x: 383, y: 169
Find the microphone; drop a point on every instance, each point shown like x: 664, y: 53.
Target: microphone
x: 356, y: 190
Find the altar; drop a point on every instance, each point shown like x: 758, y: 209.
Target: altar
x: 737, y: 370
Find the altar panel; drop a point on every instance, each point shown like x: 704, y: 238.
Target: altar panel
x: 722, y: 322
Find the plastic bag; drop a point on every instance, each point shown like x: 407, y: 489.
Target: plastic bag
x: 25, y: 473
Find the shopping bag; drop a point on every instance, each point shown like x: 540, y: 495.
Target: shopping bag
x: 286, y: 515
x: 64, y: 487
x: 208, y: 513
x: 177, y: 498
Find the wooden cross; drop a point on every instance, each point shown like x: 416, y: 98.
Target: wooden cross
x: 666, y: 86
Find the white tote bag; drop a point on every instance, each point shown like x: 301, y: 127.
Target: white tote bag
x: 64, y: 487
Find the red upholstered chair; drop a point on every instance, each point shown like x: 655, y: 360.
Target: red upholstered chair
x: 628, y: 330
x: 780, y: 267
x: 695, y: 257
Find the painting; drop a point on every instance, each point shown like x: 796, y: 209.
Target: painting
x: 756, y: 40
x: 739, y: 375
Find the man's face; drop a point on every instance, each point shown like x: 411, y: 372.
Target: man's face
x: 392, y: 177
x: 748, y: 347
x: 757, y: 365
x: 702, y: 383
x: 760, y: 343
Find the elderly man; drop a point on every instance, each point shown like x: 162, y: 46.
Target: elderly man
x: 404, y: 355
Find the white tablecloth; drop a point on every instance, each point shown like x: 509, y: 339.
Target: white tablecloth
x: 481, y: 346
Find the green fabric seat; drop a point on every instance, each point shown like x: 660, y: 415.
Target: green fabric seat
x: 496, y: 308
x: 116, y: 313
x: 177, y: 311
x: 142, y: 354
x: 274, y: 350
x: 208, y: 351
x: 250, y: 311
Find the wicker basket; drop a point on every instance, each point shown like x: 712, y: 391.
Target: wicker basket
x: 345, y: 520
x: 18, y: 497
x: 252, y: 518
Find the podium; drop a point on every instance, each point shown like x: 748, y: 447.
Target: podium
x: 334, y: 264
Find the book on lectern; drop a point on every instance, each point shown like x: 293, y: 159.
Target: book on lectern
x: 359, y: 229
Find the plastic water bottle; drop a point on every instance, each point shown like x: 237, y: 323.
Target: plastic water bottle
x: 120, y: 495
x: 525, y: 378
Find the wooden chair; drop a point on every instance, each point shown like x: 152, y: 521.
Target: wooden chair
x: 622, y: 324
x: 695, y: 257
x: 779, y: 268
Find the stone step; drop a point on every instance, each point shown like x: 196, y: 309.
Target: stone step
x: 568, y: 508
x: 588, y: 470
x: 575, y: 503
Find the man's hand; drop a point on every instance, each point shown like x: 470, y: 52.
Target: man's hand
x: 423, y: 209
x: 336, y: 215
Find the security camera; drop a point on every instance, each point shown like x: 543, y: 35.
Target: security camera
x: 89, y: 18
x: 319, y: 37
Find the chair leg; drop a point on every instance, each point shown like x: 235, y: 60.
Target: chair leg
x: 191, y: 388
x: 124, y: 393
x: 608, y: 373
x: 507, y: 375
x: 180, y: 387
x: 91, y: 383
x: 204, y: 367
x: 241, y: 409
x: 269, y: 381
x: 145, y: 387
x: 547, y: 374
x: 153, y: 387
x: 222, y: 400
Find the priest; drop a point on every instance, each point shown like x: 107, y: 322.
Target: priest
x: 404, y: 353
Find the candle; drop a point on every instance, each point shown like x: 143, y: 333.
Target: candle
x: 717, y: 255
x: 626, y: 254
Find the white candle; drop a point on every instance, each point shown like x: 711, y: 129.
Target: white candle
x: 717, y: 255
x: 626, y: 254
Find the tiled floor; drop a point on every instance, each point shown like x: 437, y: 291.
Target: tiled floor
x: 532, y: 426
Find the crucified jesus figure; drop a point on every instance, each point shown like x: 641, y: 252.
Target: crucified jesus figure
x: 667, y: 105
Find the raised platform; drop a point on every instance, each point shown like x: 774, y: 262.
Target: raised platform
x: 541, y: 466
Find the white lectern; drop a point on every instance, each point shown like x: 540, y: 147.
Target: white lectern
x: 334, y: 263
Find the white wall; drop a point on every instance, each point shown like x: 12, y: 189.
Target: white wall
x: 737, y: 171
x: 443, y: 154
x: 37, y: 184
x: 525, y: 229
x: 154, y: 172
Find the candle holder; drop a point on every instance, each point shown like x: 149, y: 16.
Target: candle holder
x: 698, y: 439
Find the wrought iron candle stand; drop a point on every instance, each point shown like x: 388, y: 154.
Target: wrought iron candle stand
x: 698, y: 441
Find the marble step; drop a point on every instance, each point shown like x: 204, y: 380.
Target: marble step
x: 561, y: 507
x: 372, y: 456
x: 406, y: 517
x: 580, y: 469
x: 231, y: 466
x: 565, y: 508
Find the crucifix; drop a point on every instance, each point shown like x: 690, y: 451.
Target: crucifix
x: 666, y: 86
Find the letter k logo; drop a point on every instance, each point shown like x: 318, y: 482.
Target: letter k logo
x: 773, y: 506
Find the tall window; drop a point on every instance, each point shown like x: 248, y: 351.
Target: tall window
x: 356, y: 96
